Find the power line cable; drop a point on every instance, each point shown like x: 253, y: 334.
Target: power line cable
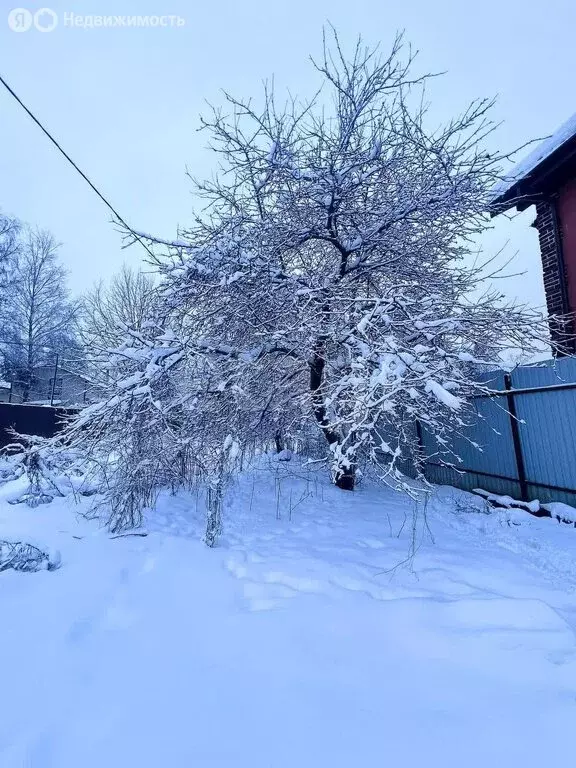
x: 73, y: 164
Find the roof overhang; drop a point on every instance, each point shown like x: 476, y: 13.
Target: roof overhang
x: 540, y: 182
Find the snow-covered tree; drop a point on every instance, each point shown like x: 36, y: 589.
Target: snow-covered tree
x: 327, y: 288
x: 333, y: 266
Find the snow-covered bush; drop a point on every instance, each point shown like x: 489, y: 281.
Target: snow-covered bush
x: 163, y: 422
x: 466, y: 504
x: 11, y: 468
x: 50, y: 467
x: 26, y: 557
x: 35, y: 458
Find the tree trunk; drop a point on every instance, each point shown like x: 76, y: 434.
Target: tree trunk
x: 278, y: 441
x: 26, y: 385
x: 346, y: 479
x: 346, y: 476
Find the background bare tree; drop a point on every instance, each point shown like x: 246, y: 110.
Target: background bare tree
x: 42, y: 317
x: 9, y: 230
x: 9, y: 247
x: 126, y: 301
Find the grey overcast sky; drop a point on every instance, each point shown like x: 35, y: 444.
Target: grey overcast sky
x: 125, y: 102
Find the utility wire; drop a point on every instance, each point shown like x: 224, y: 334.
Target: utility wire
x: 73, y: 164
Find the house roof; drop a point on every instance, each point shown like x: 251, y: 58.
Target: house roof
x: 538, y: 171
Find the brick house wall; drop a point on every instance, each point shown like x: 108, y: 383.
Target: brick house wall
x: 556, y: 225
x: 566, y: 207
x: 552, y: 262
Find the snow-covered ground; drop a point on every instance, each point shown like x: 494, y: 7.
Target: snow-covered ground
x: 297, y: 642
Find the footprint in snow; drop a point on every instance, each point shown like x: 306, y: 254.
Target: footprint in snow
x: 79, y: 630
x: 236, y: 568
x: 117, y: 616
x: 354, y: 585
x: 266, y: 597
x: 297, y: 583
x: 41, y: 751
x: 561, y: 657
x: 148, y: 565
x: 113, y: 613
x: 371, y: 543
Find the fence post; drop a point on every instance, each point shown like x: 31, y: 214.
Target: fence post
x: 54, y: 380
x: 420, y: 450
x: 521, y: 469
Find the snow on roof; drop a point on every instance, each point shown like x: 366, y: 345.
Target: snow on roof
x: 546, y: 148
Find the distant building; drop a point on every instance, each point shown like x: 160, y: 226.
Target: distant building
x: 50, y: 384
x: 5, y: 388
x: 547, y: 179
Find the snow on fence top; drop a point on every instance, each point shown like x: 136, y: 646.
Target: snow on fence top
x: 543, y: 151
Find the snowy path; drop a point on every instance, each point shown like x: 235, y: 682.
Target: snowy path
x: 295, y: 643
